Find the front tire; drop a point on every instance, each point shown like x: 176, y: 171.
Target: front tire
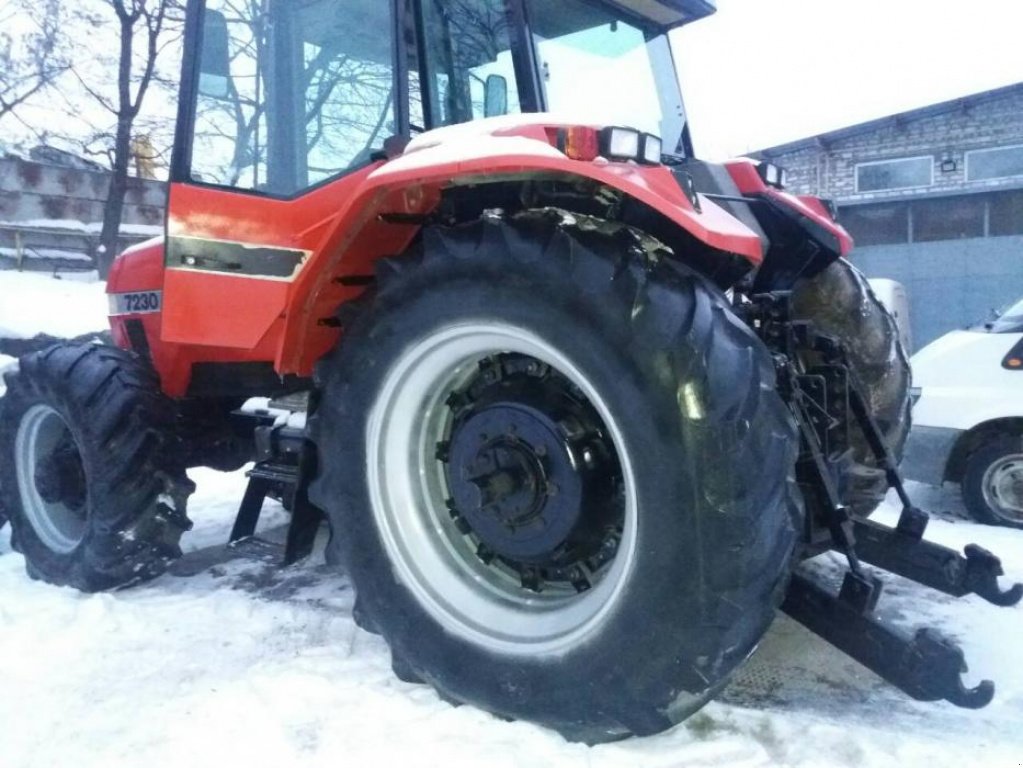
x: 840, y: 303
x: 89, y: 474
x: 628, y: 597
x: 993, y: 482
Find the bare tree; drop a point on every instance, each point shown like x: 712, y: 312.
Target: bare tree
x: 141, y: 26
x: 31, y: 61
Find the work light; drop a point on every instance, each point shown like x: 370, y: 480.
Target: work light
x: 629, y: 144
x: 652, y: 149
x: 620, y: 143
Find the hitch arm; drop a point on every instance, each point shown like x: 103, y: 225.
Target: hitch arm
x: 933, y: 565
x: 925, y: 665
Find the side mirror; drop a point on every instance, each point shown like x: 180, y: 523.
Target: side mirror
x: 215, y: 58
x: 495, y: 96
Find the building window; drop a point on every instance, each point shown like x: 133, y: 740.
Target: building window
x: 933, y: 219
x: 886, y: 224
x: 895, y: 174
x: 1007, y: 213
x: 997, y: 163
x: 948, y: 218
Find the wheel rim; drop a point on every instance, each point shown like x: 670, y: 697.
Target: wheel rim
x: 51, y: 482
x: 1003, y: 487
x: 486, y: 602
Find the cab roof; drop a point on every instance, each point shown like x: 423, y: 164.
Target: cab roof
x: 670, y: 13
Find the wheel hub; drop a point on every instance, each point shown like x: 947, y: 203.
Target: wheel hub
x: 532, y: 474
x: 51, y: 479
x: 60, y: 477
x: 1003, y: 486
x: 512, y: 478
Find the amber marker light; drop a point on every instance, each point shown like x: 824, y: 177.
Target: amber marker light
x: 579, y: 143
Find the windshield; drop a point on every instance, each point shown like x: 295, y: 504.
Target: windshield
x: 1009, y: 320
x: 598, y: 65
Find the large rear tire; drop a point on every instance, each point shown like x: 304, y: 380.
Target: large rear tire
x: 88, y: 468
x: 510, y: 345
x: 840, y: 303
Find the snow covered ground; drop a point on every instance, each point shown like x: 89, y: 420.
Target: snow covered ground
x: 247, y: 664
x: 31, y: 303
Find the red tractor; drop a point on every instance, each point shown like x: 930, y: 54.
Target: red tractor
x: 578, y: 403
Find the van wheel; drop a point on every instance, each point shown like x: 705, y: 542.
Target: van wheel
x: 993, y: 482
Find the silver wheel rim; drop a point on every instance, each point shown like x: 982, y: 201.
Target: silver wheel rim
x: 58, y: 527
x: 408, y: 491
x: 1003, y: 487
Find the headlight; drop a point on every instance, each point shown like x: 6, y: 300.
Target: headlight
x: 629, y: 144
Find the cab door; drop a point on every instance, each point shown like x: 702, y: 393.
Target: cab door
x: 285, y: 104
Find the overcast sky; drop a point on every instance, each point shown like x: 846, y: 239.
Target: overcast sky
x: 763, y: 72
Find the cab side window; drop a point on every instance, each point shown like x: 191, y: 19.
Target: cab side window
x: 291, y: 92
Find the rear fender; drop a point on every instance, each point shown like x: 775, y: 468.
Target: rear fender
x: 804, y: 237
x: 385, y: 213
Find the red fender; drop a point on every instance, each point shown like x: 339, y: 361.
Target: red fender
x: 467, y: 155
x: 744, y: 174
x: 336, y: 231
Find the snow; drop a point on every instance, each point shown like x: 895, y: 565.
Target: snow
x: 248, y: 664
x: 58, y: 254
x: 32, y: 303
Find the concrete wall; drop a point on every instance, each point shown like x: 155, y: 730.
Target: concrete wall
x: 950, y: 284
x: 51, y: 215
x: 36, y: 191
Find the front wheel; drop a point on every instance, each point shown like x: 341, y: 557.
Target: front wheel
x: 88, y: 468
x: 840, y: 303
x: 993, y: 482
x: 560, y: 476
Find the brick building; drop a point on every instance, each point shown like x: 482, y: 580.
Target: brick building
x: 934, y: 198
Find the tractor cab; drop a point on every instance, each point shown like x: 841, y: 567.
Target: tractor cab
x: 288, y: 94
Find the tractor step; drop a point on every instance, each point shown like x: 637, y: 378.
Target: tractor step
x: 285, y: 464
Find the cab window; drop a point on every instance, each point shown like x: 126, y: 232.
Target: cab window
x: 291, y: 92
x: 469, y: 70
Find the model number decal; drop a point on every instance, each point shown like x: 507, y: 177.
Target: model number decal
x: 143, y: 303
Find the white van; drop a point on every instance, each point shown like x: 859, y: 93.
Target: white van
x: 968, y: 417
